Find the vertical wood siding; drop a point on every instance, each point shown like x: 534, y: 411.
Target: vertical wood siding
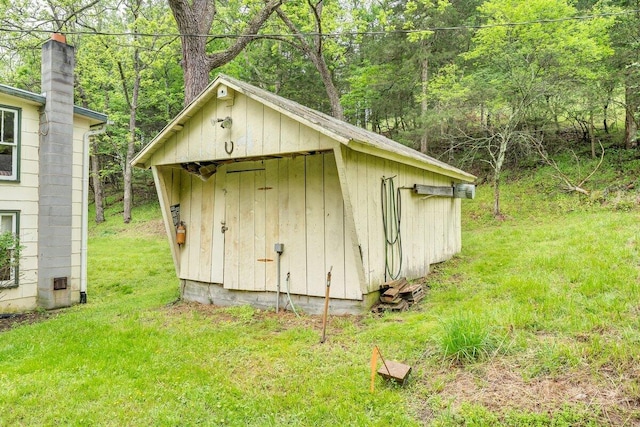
x: 256, y: 130
x: 430, y: 227
x: 298, y: 201
x: 295, y: 201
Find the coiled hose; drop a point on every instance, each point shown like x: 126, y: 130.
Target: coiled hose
x: 391, y: 203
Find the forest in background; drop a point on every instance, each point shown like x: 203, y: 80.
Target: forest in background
x: 484, y: 85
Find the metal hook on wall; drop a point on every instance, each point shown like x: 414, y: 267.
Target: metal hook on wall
x: 226, y: 147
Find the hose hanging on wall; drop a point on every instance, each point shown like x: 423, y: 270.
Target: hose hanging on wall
x: 391, y: 203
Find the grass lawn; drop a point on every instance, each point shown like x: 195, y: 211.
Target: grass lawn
x: 536, y: 322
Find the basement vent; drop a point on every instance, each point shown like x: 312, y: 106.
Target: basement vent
x: 59, y: 283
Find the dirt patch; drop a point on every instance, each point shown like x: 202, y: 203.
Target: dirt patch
x: 9, y: 321
x: 500, y: 387
x: 286, y: 319
x: 238, y: 313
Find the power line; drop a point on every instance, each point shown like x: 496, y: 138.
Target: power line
x: 334, y: 34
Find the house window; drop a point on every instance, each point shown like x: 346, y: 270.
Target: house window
x: 9, y: 144
x: 8, y: 232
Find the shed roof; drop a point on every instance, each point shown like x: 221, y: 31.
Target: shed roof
x: 41, y: 100
x: 357, y: 138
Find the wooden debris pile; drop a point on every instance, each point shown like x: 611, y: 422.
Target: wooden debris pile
x: 399, y: 295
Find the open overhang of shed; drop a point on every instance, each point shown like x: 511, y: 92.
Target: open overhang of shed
x: 206, y: 168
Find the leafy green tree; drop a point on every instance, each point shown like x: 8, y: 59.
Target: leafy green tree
x: 10, y: 256
x: 531, y: 64
x: 136, y: 80
x: 277, y: 66
x: 381, y: 72
x: 625, y: 65
x: 318, y: 18
x: 27, y: 25
x: 391, y: 72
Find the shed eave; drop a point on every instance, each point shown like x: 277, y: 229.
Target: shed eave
x: 344, y: 133
x: 418, y: 160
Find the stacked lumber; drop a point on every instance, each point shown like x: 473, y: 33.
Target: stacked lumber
x: 399, y: 295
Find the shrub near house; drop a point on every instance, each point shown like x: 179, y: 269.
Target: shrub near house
x: 9, y: 258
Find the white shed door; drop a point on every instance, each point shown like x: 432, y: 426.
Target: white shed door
x: 245, y: 259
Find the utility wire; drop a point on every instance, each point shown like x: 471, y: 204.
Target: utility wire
x: 333, y: 34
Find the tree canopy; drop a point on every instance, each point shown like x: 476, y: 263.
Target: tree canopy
x: 432, y: 74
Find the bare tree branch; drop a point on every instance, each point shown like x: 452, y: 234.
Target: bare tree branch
x: 561, y: 176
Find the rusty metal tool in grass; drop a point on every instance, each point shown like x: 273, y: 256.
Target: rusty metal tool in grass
x: 326, y: 307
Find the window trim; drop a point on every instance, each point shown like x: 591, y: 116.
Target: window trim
x: 7, y: 284
x: 18, y: 143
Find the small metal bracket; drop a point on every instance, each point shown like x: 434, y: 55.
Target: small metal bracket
x: 228, y: 149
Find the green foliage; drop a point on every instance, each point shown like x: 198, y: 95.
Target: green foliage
x: 280, y: 68
x: 10, y: 253
x: 534, y: 63
x: 479, y: 416
x: 465, y: 339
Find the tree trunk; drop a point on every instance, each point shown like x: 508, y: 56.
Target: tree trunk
x: 196, y: 68
x: 497, y: 170
x: 194, y: 19
x: 94, y: 164
x: 131, y: 147
x: 496, y: 195
x: 316, y: 55
x: 424, y: 106
x: 630, y: 125
x: 330, y: 88
x: 98, y: 189
x: 592, y: 135
x: 132, y: 102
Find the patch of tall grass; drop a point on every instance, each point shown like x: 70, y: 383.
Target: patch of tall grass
x: 466, y: 339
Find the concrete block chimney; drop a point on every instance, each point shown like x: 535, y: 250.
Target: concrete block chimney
x: 55, y: 175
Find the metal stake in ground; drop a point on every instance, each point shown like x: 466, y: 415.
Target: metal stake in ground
x: 326, y: 306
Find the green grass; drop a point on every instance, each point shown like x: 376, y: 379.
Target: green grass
x: 465, y: 339
x: 536, y: 322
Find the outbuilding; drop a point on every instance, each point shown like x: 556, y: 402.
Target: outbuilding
x: 270, y: 196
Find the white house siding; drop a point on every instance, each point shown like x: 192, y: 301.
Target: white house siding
x: 80, y: 127
x: 430, y: 227
x: 23, y: 197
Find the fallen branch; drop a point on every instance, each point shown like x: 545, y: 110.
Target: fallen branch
x: 569, y: 186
